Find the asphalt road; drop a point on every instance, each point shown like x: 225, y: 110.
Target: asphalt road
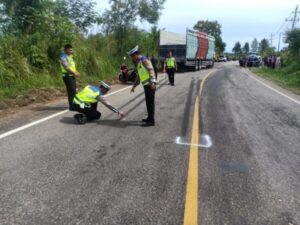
x: 116, y: 172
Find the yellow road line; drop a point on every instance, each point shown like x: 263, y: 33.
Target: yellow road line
x: 191, y: 198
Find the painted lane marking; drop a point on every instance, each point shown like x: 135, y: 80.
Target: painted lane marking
x: 273, y: 89
x: 48, y: 118
x: 191, y: 198
x: 115, y: 92
x: 205, y: 142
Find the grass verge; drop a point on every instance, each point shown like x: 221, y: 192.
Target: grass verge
x: 287, y: 77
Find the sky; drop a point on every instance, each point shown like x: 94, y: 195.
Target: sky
x: 241, y: 20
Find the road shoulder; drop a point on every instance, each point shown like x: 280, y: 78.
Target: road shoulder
x: 273, y: 86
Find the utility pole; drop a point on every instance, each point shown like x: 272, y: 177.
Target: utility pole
x: 279, y: 42
x: 295, y: 18
x: 271, y: 40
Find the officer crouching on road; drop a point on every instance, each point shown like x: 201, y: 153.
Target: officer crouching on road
x: 146, y: 76
x: 86, y: 102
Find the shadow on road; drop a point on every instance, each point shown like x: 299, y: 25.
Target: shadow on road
x: 119, y: 123
x: 68, y: 120
x: 110, y: 123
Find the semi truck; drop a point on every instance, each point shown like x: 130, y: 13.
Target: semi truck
x: 195, y: 50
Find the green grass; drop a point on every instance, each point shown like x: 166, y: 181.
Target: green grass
x: 31, y: 62
x: 287, y: 77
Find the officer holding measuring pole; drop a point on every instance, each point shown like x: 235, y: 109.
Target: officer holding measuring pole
x: 146, y: 77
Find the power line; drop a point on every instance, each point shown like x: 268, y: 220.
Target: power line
x: 295, y: 17
x: 280, y: 28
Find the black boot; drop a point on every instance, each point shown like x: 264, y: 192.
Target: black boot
x: 145, y: 120
x: 80, y: 118
x: 148, y: 124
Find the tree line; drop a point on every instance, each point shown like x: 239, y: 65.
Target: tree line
x: 289, y: 55
x: 33, y: 32
x: 263, y: 47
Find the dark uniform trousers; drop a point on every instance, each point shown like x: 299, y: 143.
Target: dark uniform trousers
x: 90, y: 112
x: 70, y: 82
x: 171, y: 75
x: 150, y: 102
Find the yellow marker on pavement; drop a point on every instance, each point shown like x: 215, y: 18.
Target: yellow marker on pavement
x: 191, y: 199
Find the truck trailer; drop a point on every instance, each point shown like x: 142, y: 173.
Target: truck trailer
x: 195, y: 50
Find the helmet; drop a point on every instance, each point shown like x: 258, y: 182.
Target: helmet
x: 104, y: 85
x: 134, y: 50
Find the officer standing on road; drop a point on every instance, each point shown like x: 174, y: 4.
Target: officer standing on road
x: 154, y: 64
x: 145, y: 76
x: 69, y: 72
x: 86, y: 101
x: 170, y: 67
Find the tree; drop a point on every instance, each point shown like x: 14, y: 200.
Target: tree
x: 81, y: 12
x: 237, y: 49
x: 246, y: 48
x: 150, y: 10
x: 293, y: 39
x: 26, y: 16
x: 212, y: 28
x: 123, y: 14
x: 264, y: 46
x: 220, y: 45
x: 254, y: 46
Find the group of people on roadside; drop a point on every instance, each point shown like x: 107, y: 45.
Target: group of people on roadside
x: 272, y: 61
x: 85, y: 101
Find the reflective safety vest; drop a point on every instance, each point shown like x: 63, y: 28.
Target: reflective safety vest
x: 170, y: 63
x: 71, y: 63
x: 144, y: 74
x: 87, y: 96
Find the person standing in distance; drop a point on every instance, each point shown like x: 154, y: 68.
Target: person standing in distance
x: 170, y: 67
x: 69, y: 72
x: 146, y: 76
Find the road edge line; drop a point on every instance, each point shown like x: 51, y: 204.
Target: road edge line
x: 16, y: 130
x: 273, y: 89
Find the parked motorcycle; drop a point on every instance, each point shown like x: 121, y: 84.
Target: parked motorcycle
x: 126, y: 74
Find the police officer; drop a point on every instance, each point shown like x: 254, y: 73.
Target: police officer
x: 170, y: 67
x: 146, y: 76
x: 154, y: 64
x: 69, y: 72
x: 85, y: 102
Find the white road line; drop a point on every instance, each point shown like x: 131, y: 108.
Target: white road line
x: 273, y: 89
x: 47, y: 118
x: 31, y: 124
x: 123, y: 89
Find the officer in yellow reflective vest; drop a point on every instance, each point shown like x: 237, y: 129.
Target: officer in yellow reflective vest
x: 170, y: 67
x: 86, y: 101
x: 146, y: 77
x: 69, y: 72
